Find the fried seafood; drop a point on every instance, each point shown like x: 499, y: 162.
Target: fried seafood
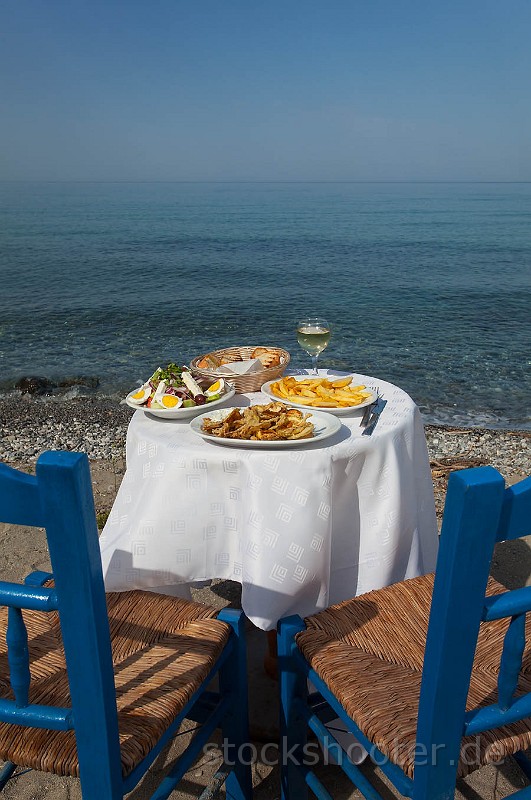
x: 271, y: 422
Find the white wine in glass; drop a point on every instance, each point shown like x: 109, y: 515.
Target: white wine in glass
x: 313, y: 335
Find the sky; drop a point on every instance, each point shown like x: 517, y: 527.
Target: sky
x: 291, y: 90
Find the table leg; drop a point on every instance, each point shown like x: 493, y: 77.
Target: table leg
x: 271, y: 656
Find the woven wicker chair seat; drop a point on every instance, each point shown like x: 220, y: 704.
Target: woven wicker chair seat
x: 369, y: 651
x: 163, y: 649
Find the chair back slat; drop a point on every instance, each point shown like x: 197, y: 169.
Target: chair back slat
x: 19, y: 498
x: 516, y: 512
x: 508, y: 604
x: 511, y: 661
x: 514, y: 522
x: 18, y: 656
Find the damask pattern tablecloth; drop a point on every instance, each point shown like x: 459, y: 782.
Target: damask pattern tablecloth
x: 298, y: 528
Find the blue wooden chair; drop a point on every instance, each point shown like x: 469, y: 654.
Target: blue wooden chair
x: 432, y: 675
x: 95, y: 685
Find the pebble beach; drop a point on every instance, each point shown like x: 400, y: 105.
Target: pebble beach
x: 99, y: 426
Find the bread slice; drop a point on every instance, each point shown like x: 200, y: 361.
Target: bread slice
x: 268, y: 358
x: 209, y: 362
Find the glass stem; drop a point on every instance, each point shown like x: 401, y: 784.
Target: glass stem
x: 314, y: 364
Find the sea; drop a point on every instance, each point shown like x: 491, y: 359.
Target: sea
x: 425, y: 285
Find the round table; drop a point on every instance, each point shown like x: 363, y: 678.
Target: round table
x: 299, y: 528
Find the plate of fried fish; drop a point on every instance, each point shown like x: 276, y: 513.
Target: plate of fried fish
x: 272, y: 425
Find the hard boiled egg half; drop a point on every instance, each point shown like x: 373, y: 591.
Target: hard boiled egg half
x: 141, y: 395
x: 170, y: 401
x: 163, y: 400
x: 215, y: 389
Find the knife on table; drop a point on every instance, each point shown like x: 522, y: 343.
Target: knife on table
x: 367, y: 413
x: 375, y: 416
x: 370, y: 408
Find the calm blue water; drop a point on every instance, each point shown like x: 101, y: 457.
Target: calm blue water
x: 425, y: 285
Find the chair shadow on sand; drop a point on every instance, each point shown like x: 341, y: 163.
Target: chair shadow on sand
x: 511, y: 563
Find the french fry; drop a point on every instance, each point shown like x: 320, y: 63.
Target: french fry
x: 281, y: 391
x: 339, y: 395
x: 303, y: 401
x: 327, y: 394
x: 341, y: 383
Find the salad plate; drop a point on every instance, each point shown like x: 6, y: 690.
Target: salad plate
x: 325, y: 426
x: 336, y: 411
x: 181, y: 413
x: 173, y: 393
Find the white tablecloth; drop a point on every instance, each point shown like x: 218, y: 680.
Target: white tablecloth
x: 298, y: 528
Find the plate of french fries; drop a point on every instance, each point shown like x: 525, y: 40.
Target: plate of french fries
x: 335, y: 395
x: 265, y: 425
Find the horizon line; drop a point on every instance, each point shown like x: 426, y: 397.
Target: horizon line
x: 252, y: 180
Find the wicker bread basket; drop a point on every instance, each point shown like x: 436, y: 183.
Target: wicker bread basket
x: 242, y: 383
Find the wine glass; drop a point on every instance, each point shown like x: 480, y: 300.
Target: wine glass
x: 313, y: 335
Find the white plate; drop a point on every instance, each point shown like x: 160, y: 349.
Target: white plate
x: 182, y: 413
x: 266, y: 389
x: 325, y: 425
